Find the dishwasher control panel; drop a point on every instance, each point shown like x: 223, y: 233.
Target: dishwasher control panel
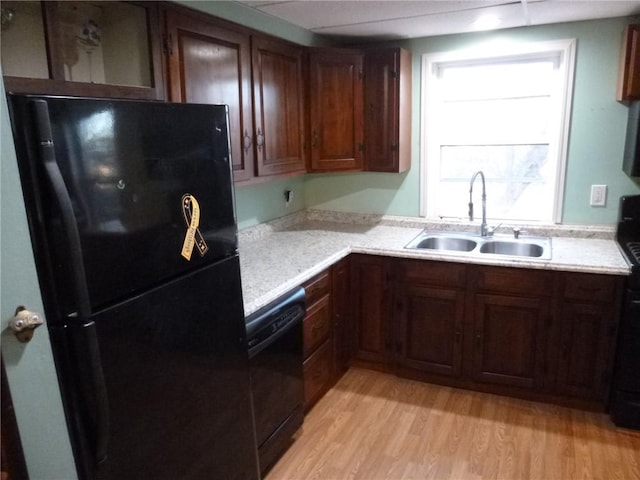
x: 275, y: 324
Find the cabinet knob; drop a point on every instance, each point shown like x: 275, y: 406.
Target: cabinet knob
x: 314, y: 144
x: 259, y: 139
x: 247, y: 142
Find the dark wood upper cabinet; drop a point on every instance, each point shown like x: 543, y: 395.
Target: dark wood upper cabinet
x: 335, y: 110
x: 258, y: 77
x: 387, y: 110
x: 278, y: 106
x: 98, y: 48
x: 629, y: 76
x: 210, y: 63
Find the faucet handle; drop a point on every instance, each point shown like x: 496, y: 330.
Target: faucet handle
x: 492, y: 230
x: 516, y: 232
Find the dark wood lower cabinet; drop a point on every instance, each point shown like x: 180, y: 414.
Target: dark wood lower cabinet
x: 318, y: 373
x: 326, y: 330
x: 372, y: 303
x: 585, y: 338
x: 317, y: 339
x: 508, y: 344
x: 536, y: 334
x: 341, y: 296
x: 587, y: 326
x: 430, y: 329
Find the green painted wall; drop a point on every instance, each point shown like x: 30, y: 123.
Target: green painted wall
x: 30, y: 370
x: 596, y: 143
x: 265, y: 201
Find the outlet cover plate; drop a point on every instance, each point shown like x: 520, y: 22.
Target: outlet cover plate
x: 598, y: 195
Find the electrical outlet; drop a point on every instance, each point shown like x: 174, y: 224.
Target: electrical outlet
x: 598, y: 195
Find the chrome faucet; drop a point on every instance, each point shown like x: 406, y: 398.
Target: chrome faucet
x: 484, y: 229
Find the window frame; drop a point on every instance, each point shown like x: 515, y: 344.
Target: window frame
x: 565, y: 50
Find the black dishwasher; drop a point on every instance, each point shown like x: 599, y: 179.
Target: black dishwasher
x: 274, y: 338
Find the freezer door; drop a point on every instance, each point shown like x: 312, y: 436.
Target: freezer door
x: 177, y: 381
x: 149, y: 186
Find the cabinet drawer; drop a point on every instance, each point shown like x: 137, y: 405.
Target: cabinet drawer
x: 514, y: 280
x: 441, y: 274
x: 317, y: 287
x: 589, y: 287
x: 317, y: 371
x: 317, y: 325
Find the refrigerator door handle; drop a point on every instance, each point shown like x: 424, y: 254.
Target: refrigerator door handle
x: 92, y: 384
x: 81, y: 293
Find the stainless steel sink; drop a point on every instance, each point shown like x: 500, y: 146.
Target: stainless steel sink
x: 516, y: 248
x: 476, y: 245
x: 447, y: 243
x: 443, y: 241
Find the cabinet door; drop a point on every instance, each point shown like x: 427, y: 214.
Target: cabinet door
x: 431, y: 329
x: 80, y: 48
x: 212, y: 64
x: 278, y: 106
x: 317, y: 325
x: 317, y: 374
x: 509, y: 340
x: 341, y: 296
x: 335, y: 104
x: 586, y: 338
x: 371, y: 301
x: 629, y: 76
x: 387, y: 110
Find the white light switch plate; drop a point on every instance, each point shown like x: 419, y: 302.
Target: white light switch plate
x: 598, y: 195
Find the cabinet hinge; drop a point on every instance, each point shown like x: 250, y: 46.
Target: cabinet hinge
x: 167, y: 42
x: 394, y: 74
x: 360, y: 75
x: 361, y: 147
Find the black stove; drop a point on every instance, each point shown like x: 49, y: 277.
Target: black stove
x: 628, y: 236
x: 625, y: 398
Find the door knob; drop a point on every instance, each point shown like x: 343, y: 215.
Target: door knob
x: 24, y: 322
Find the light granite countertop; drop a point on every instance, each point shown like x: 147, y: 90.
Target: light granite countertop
x: 280, y: 255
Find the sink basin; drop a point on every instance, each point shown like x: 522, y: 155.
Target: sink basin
x: 473, y: 244
x: 519, y: 249
x: 447, y: 243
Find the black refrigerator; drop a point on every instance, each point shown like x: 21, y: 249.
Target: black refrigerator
x: 132, y: 218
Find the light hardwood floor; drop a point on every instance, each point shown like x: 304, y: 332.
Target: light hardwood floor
x: 377, y: 426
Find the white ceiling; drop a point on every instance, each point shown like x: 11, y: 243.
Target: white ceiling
x: 389, y: 19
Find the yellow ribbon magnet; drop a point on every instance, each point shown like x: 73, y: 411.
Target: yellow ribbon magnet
x: 193, y: 237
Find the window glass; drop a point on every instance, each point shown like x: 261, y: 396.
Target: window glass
x: 503, y: 115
